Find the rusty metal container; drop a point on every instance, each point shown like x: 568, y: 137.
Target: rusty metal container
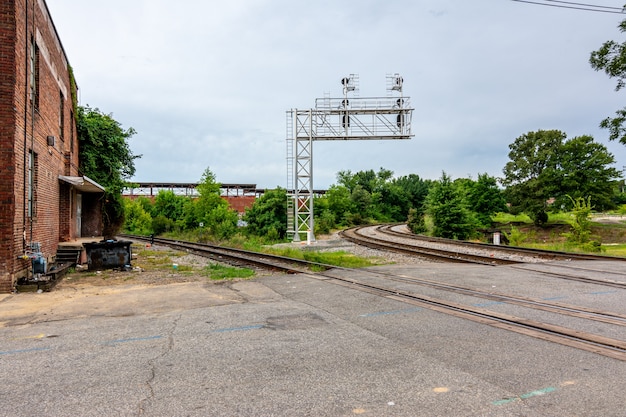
x: 108, y: 254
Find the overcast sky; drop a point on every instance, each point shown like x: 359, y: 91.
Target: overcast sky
x: 206, y: 83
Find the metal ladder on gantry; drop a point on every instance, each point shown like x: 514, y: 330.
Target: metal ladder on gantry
x: 346, y: 118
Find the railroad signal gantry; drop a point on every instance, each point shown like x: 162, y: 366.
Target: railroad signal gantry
x: 344, y: 118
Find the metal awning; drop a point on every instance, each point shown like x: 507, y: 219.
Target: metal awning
x: 84, y: 184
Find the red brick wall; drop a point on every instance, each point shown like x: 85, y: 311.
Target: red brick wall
x: 25, y: 129
x: 240, y: 203
x: 7, y: 132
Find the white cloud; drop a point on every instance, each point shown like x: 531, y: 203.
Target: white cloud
x: 207, y: 83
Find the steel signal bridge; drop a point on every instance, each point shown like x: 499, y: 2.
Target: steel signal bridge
x: 346, y: 118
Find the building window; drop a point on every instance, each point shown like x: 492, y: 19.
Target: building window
x: 61, y: 114
x: 32, y: 184
x: 34, y: 73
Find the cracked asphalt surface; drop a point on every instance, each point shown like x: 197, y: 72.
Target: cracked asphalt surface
x: 283, y: 345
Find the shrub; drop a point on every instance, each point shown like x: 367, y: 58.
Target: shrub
x: 416, y: 221
x: 515, y: 237
x: 161, y: 224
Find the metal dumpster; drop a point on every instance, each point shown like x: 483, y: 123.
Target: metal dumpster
x: 108, y: 254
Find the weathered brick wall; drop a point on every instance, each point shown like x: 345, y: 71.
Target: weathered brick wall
x: 240, y: 203
x: 29, y: 127
x: 7, y: 132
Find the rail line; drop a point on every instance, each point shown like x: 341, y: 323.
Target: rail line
x: 568, y: 275
x: 356, y: 235
x: 560, y: 308
x: 550, y: 332
x: 236, y: 257
x: 388, y: 229
x: 601, y: 345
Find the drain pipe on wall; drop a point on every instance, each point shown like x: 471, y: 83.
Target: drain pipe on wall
x: 26, y: 57
x: 32, y: 166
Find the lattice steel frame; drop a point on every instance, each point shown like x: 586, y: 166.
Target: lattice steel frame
x: 373, y: 118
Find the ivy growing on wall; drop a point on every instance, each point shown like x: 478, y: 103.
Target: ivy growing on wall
x: 106, y: 158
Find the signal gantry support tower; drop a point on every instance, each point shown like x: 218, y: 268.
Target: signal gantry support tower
x: 345, y: 118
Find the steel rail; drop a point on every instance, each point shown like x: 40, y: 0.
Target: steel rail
x: 582, y: 340
x: 239, y: 257
x: 559, y: 308
x: 551, y: 255
x: 610, y: 283
x: 354, y: 235
x: 557, y: 334
x: 541, y: 253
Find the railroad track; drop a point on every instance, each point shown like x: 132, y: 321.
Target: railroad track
x: 452, y: 250
x: 357, y: 236
x: 567, y: 273
x: 381, y: 286
x: 391, y: 230
x: 559, y: 308
x: 236, y: 257
x: 598, y: 344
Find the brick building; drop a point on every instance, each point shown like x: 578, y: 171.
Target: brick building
x: 43, y: 198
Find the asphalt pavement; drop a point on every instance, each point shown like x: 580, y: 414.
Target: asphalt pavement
x: 293, y: 345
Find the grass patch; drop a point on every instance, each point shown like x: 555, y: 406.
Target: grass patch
x: 615, y: 250
x: 339, y: 258
x: 184, y: 269
x: 506, y: 218
x: 221, y: 272
x: 335, y: 258
x: 288, y: 252
x: 158, y: 260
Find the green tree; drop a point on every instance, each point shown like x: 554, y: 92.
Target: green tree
x: 586, y: 173
x: 395, y: 203
x: 212, y: 210
x: 346, y: 179
x: 325, y: 219
x: 106, y: 158
x: 611, y: 58
x: 363, y: 205
x: 531, y: 172
x: 146, y: 204
x: 168, y: 205
x: 340, y: 204
x: 268, y: 214
x: 369, y: 180
x: 367, y: 195
x: 137, y: 219
x: 445, y: 204
x: 105, y: 155
x: 221, y: 221
x: 415, y: 187
x: 362, y: 187
x: 544, y: 165
x: 190, y: 219
x: 485, y: 199
x: 415, y: 191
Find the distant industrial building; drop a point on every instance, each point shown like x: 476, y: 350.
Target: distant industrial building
x: 239, y: 196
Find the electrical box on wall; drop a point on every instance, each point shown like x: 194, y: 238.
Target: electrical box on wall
x: 50, y: 140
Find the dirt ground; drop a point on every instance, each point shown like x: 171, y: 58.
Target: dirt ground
x: 160, y: 280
